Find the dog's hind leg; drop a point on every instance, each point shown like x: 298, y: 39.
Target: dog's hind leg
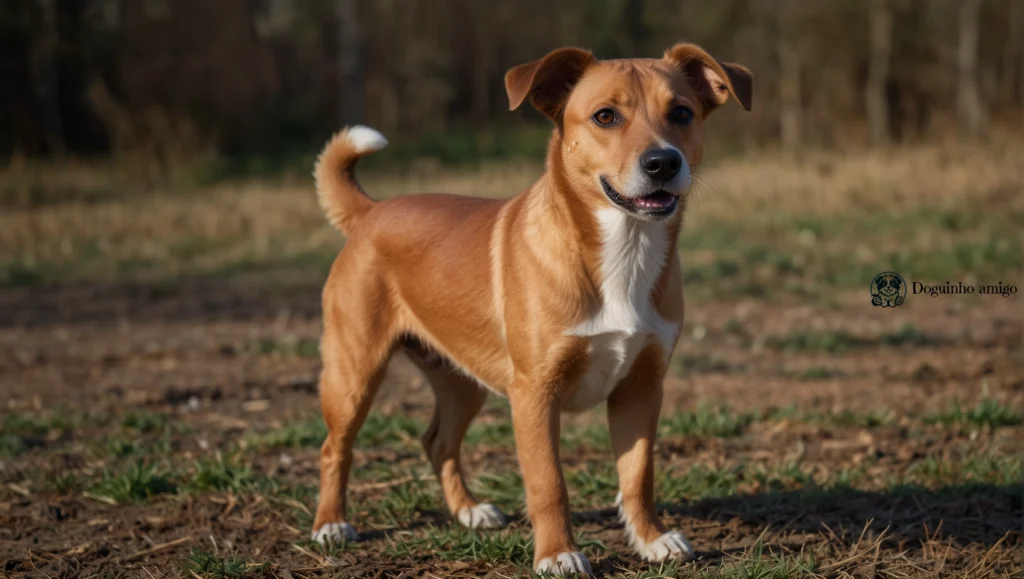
x: 355, y: 348
x: 457, y: 400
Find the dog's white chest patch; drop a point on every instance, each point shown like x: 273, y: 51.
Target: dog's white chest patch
x: 633, y: 254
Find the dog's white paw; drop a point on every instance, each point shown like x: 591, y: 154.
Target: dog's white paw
x: 670, y: 546
x: 574, y: 563
x: 482, y: 516
x: 336, y: 533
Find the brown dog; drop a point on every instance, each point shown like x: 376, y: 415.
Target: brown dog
x: 561, y: 298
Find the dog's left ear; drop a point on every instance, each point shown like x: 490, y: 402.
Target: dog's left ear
x: 547, y: 81
x: 714, y: 81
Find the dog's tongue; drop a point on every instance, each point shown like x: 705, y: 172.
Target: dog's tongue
x: 655, y: 200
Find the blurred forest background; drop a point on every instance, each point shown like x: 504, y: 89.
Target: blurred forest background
x: 253, y: 85
x: 156, y: 139
x: 163, y: 257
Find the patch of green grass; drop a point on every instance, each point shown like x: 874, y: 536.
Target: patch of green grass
x: 501, y: 433
x: 11, y: 445
x: 848, y: 477
x: 380, y: 429
x: 815, y: 373
x: 20, y: 272
x: 809, y: 256
x: 286, y: 346
x: 756, y: 564
x: 63, y: 483
x: 308, y: 433
x: 844, y: 418
x: 120, y: 447
x: 678, y: 485
x: 975, y: 468
x: 36, y: 425
x: 491, y: 433
x: 221, y: 474
x: 504, y: 490
x: 909, y: 336
x: 138, y: 482
x: 594, y: 485
x: 968, y: 476
x: 803, y: 341
x: 456, y: 543
x: 201, y: 563
x: 869, y: 419
x: 786, y: 476
x: 735, y: 327
x: 406, y: 501
x: 586, y: 436
x: 377, y: 430
x: 720, y: 422
x: 988, y: 413
x: 840, y: 342
x: 382, y: 469
x: 703, y: 364
x: 144, y: 421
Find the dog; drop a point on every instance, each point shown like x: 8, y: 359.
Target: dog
x: 561, y: 298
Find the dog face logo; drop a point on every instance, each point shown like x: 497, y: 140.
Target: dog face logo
x: 888, y: 290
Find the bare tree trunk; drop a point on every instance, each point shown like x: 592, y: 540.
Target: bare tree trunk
x: 47, y: 78
x: 969, y: 103
x: 350, y: 62
x: 482, y: 60
x: 879, y: 53
x: 790, y: 65
x: 1017, y: 39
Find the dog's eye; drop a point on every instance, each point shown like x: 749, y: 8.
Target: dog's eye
x: 604, y: 117
x: 681, y: 115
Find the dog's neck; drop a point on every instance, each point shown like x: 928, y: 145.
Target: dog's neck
x: 581, y: 235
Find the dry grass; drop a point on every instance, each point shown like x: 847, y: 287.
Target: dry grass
x: 818, y: 204
x: 830, y: 445
x: 880, y: 182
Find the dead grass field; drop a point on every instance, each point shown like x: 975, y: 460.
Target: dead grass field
x: 158, y: 361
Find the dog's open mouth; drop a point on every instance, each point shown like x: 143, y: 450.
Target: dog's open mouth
x: 657, y: 203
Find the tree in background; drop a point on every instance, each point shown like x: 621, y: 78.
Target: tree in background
x: 173, y: 78
x: 350, y: 62
x: 47, y: 85
x: 879, y: 52
x: 968, y: 95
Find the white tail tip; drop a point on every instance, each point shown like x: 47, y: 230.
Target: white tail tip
x: 365, y: 140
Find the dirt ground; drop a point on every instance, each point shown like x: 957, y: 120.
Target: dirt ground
x: 184, y: 353
x: 158, y: 367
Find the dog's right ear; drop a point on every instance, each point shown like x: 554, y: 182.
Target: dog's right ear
x: 548, y: 81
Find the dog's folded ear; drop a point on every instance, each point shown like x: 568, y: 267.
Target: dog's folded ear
x: 714, y: 81
x: 547, y: 81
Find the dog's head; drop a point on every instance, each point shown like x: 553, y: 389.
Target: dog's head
x: 629, y: 131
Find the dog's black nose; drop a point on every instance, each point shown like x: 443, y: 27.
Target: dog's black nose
x: 661, y: 164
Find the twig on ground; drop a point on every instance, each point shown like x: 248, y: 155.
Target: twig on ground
x: 156, y: 549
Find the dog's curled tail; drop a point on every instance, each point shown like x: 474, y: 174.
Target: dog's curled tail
x: 341, y: 197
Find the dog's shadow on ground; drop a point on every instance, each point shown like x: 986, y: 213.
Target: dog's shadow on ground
x: 904, y: 518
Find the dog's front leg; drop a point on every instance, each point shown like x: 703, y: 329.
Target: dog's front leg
x: 535, y: 418
x: 633, y: 422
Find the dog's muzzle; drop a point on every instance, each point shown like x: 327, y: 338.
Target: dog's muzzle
x: 658, y: 203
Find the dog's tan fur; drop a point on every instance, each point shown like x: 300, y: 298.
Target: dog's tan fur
x: 511, y: 296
